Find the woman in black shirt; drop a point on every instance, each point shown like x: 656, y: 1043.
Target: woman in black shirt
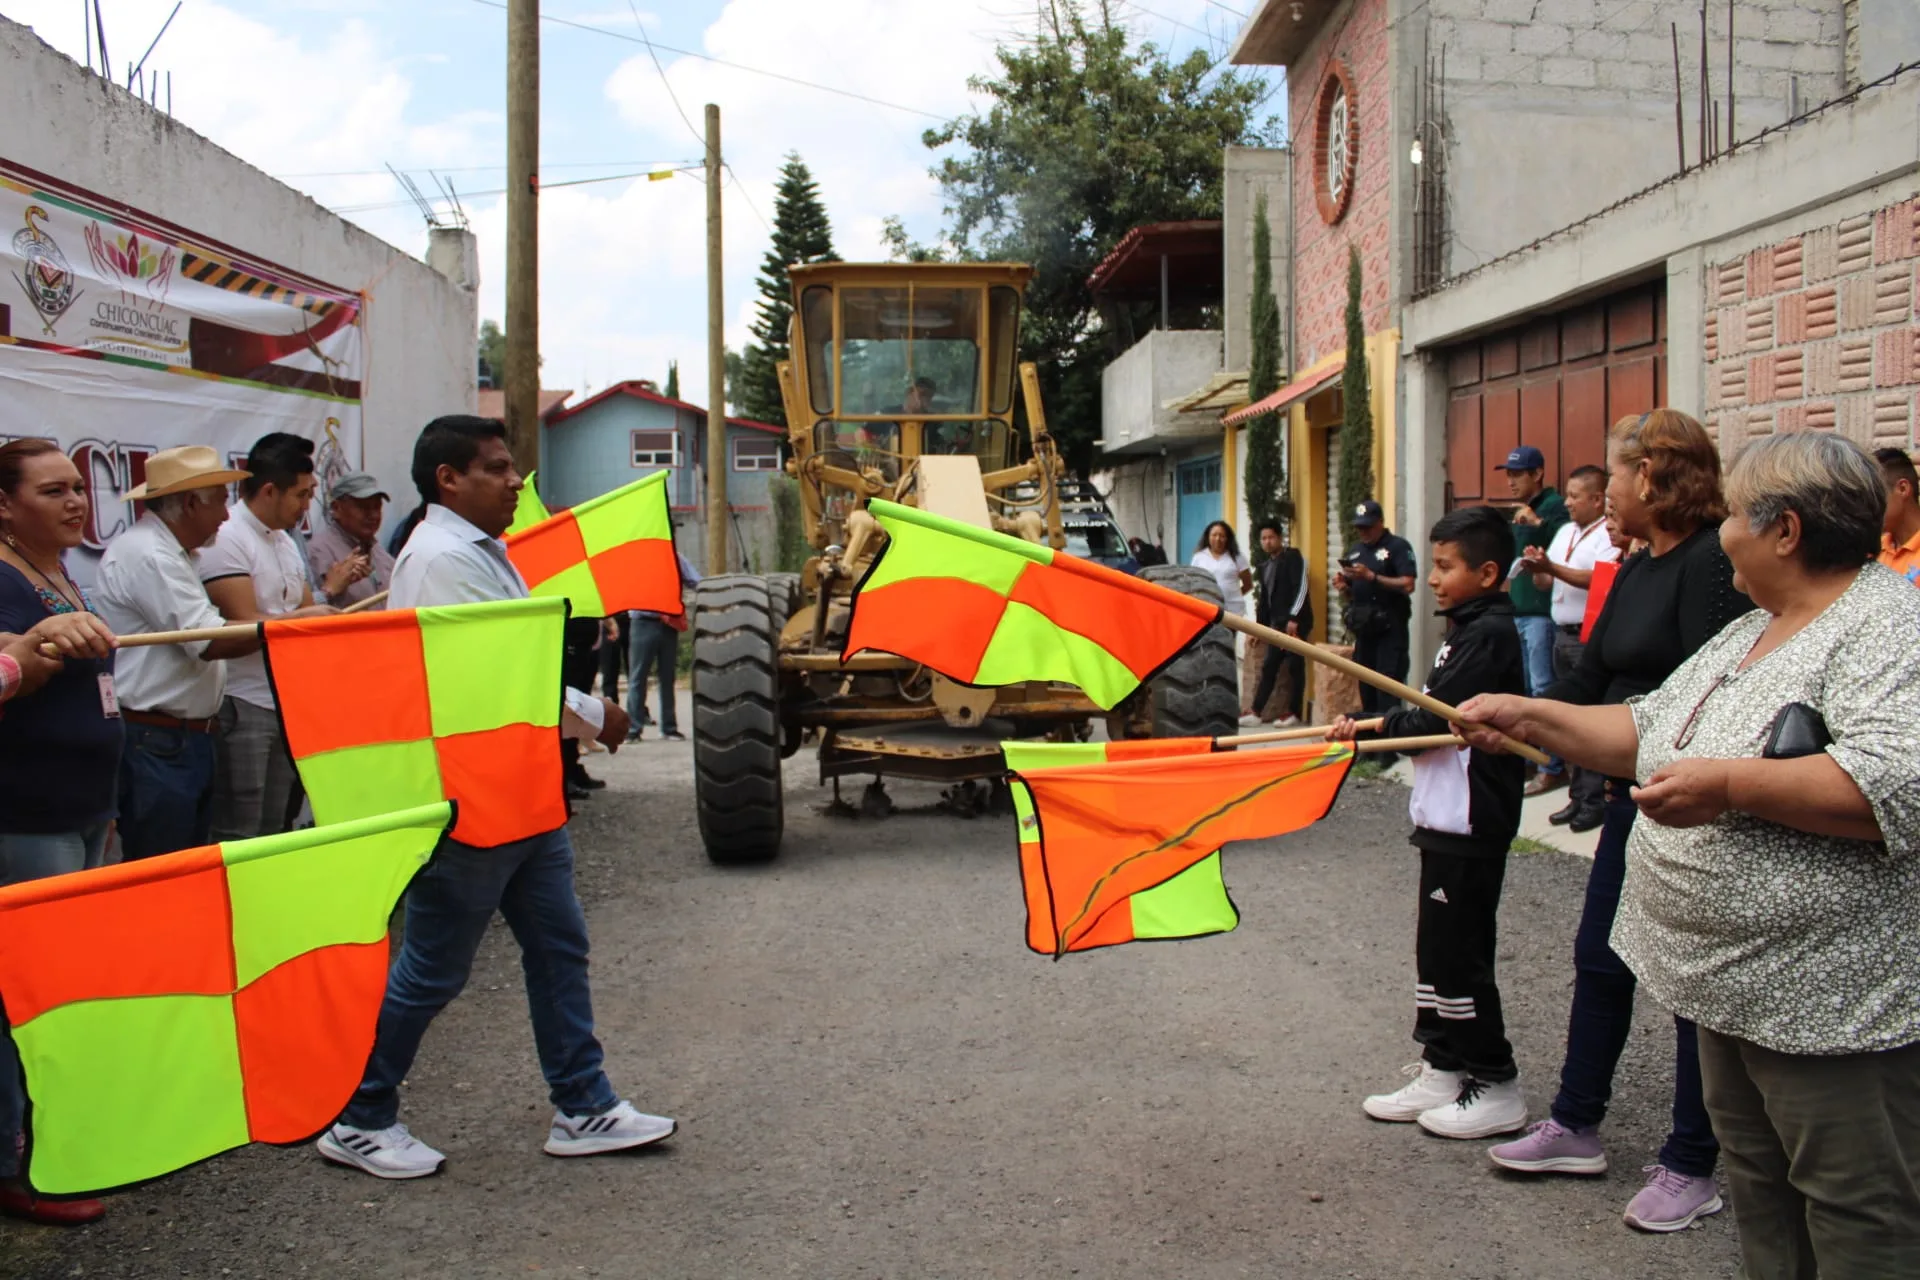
x: 1666, y: 602
x: 59, y: 747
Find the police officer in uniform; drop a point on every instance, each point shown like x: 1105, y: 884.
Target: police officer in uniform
x: 1376, y: 580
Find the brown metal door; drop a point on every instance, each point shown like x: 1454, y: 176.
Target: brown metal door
x: 1556, y: 383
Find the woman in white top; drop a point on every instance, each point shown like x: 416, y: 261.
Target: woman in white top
x: 1219, y: 554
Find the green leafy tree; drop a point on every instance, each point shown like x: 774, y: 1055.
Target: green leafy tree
x: 1088, y: 135
x: 1356, y: 428
x: 493, y: 354
x: 801, y: 234
x: 734, y: 372
x: 673, y: 380
x: 1267, y: 491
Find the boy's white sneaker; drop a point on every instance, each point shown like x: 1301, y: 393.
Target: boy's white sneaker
x: 1429, y: 1089
x: 620, y: 1129
x: 1480, y: 1111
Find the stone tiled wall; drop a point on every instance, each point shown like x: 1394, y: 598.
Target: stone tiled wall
x: 1818, y: 332
x: 1357, y: 35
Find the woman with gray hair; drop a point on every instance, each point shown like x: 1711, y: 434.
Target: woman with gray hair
x: 1772, y: 892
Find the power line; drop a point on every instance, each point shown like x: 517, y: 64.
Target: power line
x: 667, y: 84
x: 488, y: 168
x: 722, y: 62
x: 545, y: 186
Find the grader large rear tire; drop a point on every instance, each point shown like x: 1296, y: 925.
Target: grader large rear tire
x: 1198, y: 694
x: 736, y: 716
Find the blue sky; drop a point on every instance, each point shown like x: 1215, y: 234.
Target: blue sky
x: 325, y: 93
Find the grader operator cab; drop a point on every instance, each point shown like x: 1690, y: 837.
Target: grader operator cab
x: 901, y: 386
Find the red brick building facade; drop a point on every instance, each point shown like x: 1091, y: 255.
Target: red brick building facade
x: 1358, y: 42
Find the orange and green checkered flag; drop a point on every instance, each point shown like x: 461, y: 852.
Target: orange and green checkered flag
x: 1120, y: 841
x: 606, y: 555
x: 169, y: 1009
x: 528, y: 510
x: 386, y: 711
x: 984, y: 608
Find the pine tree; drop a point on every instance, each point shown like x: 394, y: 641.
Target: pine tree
x: 800, y: 234
x: 673, y: 380
x: 1356, y: 428
x: 1267, y: 496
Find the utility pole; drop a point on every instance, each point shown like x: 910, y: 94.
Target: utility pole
x: 717, y: 511
x: 523, y: 233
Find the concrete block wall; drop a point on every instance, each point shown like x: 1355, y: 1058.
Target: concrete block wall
x: 1817, y: 331
x: 1613, y: 47
x: 1356, y: 34
x: 1251, y: 172
x: 1556, y: 108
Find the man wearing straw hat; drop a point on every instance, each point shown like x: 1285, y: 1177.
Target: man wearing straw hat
x: 169, y: 694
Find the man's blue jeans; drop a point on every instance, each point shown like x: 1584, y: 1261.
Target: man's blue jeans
x: 449, y: 906
x: 24, y: 858
x: 1536, y: 648
x: 166, y: 790
x: 652, y: 644
x: 1602, y: 1015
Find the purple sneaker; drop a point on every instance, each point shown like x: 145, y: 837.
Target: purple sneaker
x: 1671, y: 1201
x: 1551, y: 1147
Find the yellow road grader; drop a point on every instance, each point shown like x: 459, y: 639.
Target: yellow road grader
x: 901, y: 386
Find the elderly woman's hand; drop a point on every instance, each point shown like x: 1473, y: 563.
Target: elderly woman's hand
x: 1485, y: 718
x: 1685, y: 793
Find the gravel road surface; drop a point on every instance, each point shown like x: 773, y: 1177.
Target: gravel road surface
x: 875, y: 1078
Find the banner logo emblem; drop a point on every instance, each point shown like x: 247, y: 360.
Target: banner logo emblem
x: 46, y: 275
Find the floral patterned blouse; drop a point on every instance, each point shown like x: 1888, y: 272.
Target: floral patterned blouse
x: 1799, y: 942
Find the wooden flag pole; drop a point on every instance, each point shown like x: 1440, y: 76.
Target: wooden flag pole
x: 1312, y: 652
x: 1409, y: 745
x: 239, y: 631
x: 1294, y: 735
x: 370, y: 602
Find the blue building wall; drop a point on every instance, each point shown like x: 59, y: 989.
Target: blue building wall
x: 590, y: 452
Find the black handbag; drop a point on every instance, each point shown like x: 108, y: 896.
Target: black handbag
x: 1797, y: 731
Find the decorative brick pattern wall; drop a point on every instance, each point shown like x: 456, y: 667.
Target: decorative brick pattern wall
x: 1320, y: 251
x: 1818, y: 333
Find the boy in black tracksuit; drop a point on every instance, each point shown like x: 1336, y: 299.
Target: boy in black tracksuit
x: 1466, y: 812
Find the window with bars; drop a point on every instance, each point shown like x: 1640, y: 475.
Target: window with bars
x: 656, y: 448
x: 756, y: 453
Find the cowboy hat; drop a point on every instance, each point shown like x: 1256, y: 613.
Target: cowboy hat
x: 193, y: 466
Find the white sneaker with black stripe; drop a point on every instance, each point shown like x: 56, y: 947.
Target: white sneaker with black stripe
x: 385, y: 1153
x: 620, y: 1129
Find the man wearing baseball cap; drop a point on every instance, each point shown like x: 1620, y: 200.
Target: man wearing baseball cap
x: 1538, y: 517
x: 349, y: 563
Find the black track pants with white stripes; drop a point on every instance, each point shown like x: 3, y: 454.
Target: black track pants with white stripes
x: 1458, y: 1016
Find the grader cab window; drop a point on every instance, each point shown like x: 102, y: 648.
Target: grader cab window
x: 909, y: 352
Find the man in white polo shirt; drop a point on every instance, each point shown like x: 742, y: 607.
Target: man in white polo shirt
x: 255, y: 570
x: 1567, y: 567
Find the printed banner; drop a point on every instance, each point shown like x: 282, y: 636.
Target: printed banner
x: 121, y: 335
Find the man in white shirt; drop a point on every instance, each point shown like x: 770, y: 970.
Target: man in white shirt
x: 255, y: 570
x: 1566, y: 566
x: 470, y: 486
x: 169, y: 694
